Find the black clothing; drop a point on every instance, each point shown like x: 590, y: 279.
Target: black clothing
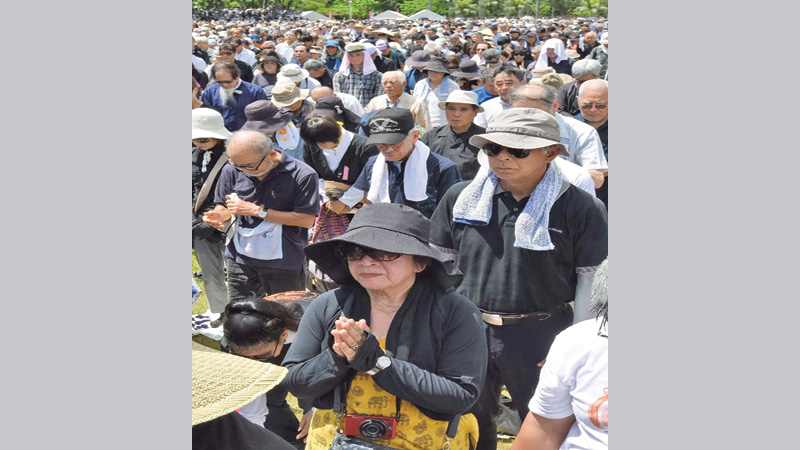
x: 602, y: 131
x: 326, y: 80
x: 245, y: 72
x: 265, y: 80
x: 202, y: 54
x: 233, y: 432
x: 456, y: 147
x: 354, y: 159
x: 568, y: 99
x: 385, y: 64
x: 587, y: 49
x: 199, y: 177
x: 443, y: 373
x: 564, y: 66
x: 522, y: 280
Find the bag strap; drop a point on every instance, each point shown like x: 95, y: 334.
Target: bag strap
x: 201, y: 197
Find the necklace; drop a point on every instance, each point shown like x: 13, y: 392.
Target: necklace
x: 392, y: 308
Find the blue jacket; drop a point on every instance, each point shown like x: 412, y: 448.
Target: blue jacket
x: 233, y: 115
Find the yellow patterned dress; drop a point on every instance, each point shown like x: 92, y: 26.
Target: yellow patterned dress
x: 415, y: 430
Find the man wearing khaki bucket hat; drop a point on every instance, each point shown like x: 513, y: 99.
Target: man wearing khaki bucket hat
x: 287, y: 95
x: 221, y: 384
x: 537, y: 265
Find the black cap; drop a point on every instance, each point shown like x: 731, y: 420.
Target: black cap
x: 390, y: 126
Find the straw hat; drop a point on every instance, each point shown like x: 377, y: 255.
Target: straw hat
x: 223, y: 383
x: 208, y: 123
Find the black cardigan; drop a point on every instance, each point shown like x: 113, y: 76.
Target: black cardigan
x: 355, y: 158
x: 446, y: 367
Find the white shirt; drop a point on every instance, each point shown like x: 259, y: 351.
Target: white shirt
x: 286, y: 52
x: 491, y: 108
x: 351, y: 103
x: 582, y: 142
x: 198, y: 63
x: 246, y: 56
x: 433, y: 98
x: 574, y: 380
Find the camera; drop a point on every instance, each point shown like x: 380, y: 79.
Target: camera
x: 370, y: 427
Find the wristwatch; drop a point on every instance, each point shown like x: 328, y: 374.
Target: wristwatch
x: 383, y: 362
x: 262, y: 214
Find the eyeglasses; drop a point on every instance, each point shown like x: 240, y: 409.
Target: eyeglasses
x: 494, y: 61
x: 261, y: 358
x: 355, y: 253
x: 249, y: 166
x: 492, y: 149
x: 594, y: 105
x: 201, y: 140
x: 226, y: 81
x: 226, y: 53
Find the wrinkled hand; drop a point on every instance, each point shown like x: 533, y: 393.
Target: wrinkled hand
x: 338, y: 207
x: 242, y: 208
x: 305, y: 424
x: 348, y: 337
x: 214, y: 219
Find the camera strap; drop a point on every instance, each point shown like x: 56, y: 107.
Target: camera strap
x: 403, y: 351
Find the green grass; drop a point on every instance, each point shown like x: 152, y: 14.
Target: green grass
x: 201, y: 306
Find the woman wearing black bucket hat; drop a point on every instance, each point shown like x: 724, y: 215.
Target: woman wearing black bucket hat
x: 395, y: 356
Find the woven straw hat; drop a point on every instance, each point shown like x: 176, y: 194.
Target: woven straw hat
x: 208, y: 123
x: 223, y: 383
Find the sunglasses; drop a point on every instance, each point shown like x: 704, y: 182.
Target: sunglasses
x: 492, y: 149
x: 355, y: 253
x: 226, y: 81
x: 594, y: 105
x: 201, y: 140
x: 225, y: 53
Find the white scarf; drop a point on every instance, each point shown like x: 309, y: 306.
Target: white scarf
x: 555, y: 44
x: 369, y: 65
x: 415, y: 177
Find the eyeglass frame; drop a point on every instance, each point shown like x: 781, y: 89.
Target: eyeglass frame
x: 597, y: 105
x: 249, y: 166
x: 259, y: 358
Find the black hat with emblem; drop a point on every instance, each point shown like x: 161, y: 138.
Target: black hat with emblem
x: 390, y: 126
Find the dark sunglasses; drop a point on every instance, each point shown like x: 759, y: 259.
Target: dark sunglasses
x: 492, y: 149
x: 355, y: 253
x: 201, y: 140
x: 226, y: 81
x: 225, y: 53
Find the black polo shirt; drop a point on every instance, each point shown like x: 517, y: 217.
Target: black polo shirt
x: 456, y: 147
x: 501, y: 278
x: 291, y: 186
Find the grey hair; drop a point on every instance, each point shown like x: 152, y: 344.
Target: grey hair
x: 313, y: 64
x: 401, y: 77
x: 205, y: 39
x: 257, y: 142
x: 491, y: 53
x: 521, y: 93
x: 591, y: 83
x: 599, y: 299
x: 510, y: 70
x: 487, y: 74
x: 584, y: 67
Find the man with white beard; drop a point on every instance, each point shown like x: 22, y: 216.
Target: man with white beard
x: 230, y: 95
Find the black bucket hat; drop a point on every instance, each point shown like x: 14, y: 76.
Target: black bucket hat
x: 263, y: 116
x: 467, y: 69
x: 390, y: 227
x: 333, y: 106
x: 437, y: 65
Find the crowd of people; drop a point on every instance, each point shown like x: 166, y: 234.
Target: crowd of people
x: 407, y: 216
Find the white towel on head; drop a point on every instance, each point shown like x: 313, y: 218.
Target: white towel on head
x: 557, y: 46
x: 474, y: 207
x: 415, y: 177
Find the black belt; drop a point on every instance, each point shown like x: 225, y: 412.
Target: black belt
x: 518, y: 319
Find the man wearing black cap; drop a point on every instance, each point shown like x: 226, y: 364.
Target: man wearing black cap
x: 405, y: 172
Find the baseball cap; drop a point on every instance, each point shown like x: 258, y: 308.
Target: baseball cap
x: 390, y: 126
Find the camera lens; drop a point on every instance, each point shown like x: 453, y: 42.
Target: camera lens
x: 373, y: 429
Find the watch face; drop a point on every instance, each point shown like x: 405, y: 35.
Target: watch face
x: 384, y: 362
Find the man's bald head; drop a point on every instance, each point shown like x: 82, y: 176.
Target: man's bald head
x: 323, y: 91
x: 539, y: 96
x: 593, y: 102
x: 595, y: 87
x: 248, y: 143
